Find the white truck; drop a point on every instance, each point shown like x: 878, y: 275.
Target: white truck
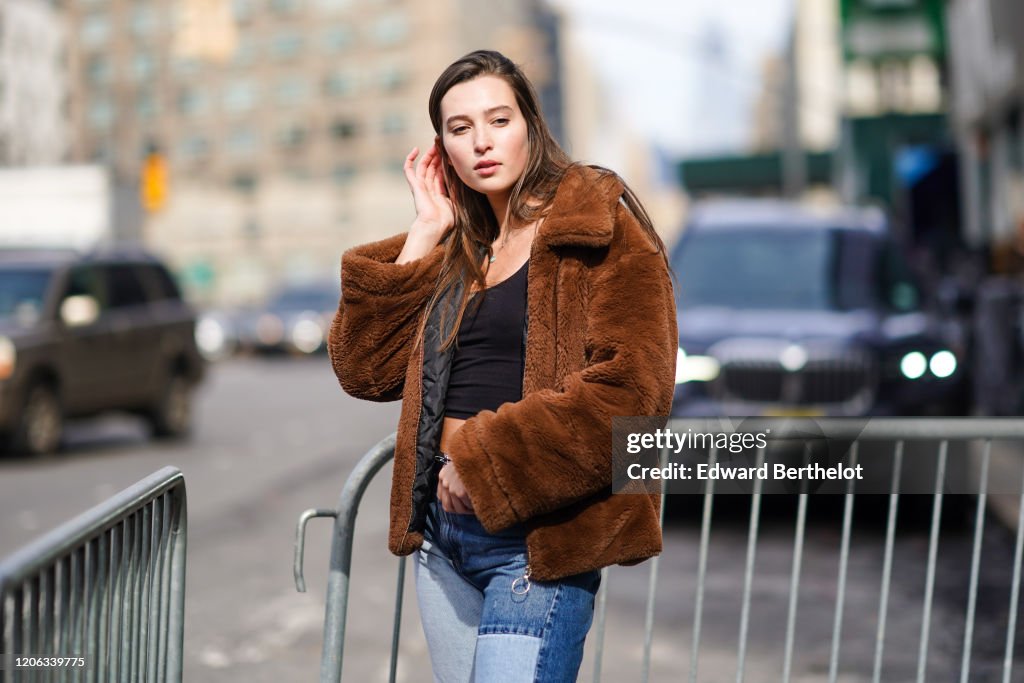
x: 76, y: 207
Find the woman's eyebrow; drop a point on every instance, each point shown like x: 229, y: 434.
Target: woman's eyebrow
x: 487, y: 112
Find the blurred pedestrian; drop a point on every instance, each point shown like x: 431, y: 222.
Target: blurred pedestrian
x: 528, y: 304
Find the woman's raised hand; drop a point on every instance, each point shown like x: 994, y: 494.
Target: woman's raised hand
x: 434, y: 212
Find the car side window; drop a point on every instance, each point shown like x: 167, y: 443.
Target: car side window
x: 124, y: 287
x: 160, y: 283
x: 87, y: 281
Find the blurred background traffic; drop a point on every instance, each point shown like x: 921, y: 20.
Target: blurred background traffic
x: 841, y: 182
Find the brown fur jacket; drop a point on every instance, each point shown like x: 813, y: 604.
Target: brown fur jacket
x: 601, y: 342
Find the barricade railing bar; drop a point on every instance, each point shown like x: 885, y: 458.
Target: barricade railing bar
x: 895, y: 434
x: 104, y: 591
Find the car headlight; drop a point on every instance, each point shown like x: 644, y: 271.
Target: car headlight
x: 913, y: 365
x: 8, y: 357
x: 307, y: 335
x: 210, y: 337
x: 942, y: 364
x: 695, y: 368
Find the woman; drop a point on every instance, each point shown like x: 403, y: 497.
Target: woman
x: 527, y: 305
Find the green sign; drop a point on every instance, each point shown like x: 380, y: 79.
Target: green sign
x: 892, y: 29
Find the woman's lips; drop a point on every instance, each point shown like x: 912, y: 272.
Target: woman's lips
x: 487, y: 168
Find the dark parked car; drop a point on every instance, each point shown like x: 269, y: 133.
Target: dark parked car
x: 295, y: 320
x: 785, y: 311
x: 82, y: 334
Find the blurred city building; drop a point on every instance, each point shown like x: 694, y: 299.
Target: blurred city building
x: 594, y: 132
x: 987, y: 65
x: 283, y: 123
x: 34, y: 84
x: 986, y: 39
x: 854, y: 106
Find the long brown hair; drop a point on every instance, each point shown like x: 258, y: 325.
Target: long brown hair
x: 476, y: 227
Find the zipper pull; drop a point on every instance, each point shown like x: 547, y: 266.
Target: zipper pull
x: 521, y: 586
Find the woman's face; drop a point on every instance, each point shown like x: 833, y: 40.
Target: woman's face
x: 484, y: 134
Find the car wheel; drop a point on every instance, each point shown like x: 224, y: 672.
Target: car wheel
x: 172, y: 416
x: 41, y: 423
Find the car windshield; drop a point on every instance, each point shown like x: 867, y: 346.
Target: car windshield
x: 764, y: 268
x: 22, y: 291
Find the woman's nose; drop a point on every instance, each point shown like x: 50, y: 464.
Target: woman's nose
x: 482, y: 142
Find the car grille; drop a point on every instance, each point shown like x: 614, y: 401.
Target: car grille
x: 822, y: 381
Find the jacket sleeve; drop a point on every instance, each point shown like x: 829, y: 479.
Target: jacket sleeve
x: 554, y: 447
x: 374, y: 329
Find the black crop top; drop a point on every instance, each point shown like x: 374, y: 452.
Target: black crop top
x: 487, y: 365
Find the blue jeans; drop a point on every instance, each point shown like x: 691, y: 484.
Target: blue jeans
x: 484, y: 620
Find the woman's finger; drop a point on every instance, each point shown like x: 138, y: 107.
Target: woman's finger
x: 408, y: 167
x: 421, y: 167
x: 459, y: 506
x: 430, y: 178
x: 437, y: 178
x: 442, y: 497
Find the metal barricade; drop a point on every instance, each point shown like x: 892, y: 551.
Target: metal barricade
x: 897, y: 432
x: 102, y: 597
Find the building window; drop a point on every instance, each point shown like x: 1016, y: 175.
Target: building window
x: 193, y: 101
x: 340, y: 83
x: 243, y: 142
x: 240, y: 96
x: 343, y: 129
x: 286, y: 6
x: 242, y: 10
x: 143, y: 66
x: 286, y: 45
x: 245, y: 50
x: 291, y: 135
x: 292, y: 92
x: 97, y: 69
x: 186, y: 66
x: 101, y: 114
x: 333, y: 5
x: 194, y: 146
x: 343, y: 174
x: 390, y: 29
x: 144, y: 20
x: 101, y: 153
x: 392, y: 123
x: 145, y: 105
x: 244, y: 181
x: 392, y: 78
x: 337, y: 39
x: 95, y: 30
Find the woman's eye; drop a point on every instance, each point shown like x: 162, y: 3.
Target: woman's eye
x: 460, y: 129
x: 500, y: 122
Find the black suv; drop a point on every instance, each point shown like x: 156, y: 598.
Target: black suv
x: 786, y: 311
x: 81, y: 334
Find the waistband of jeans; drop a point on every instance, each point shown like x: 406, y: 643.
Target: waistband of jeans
x: 473, y: 524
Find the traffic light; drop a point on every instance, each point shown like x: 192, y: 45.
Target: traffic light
x: 153, y: 185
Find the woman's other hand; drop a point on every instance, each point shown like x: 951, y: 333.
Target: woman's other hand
x: 451, y: 492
